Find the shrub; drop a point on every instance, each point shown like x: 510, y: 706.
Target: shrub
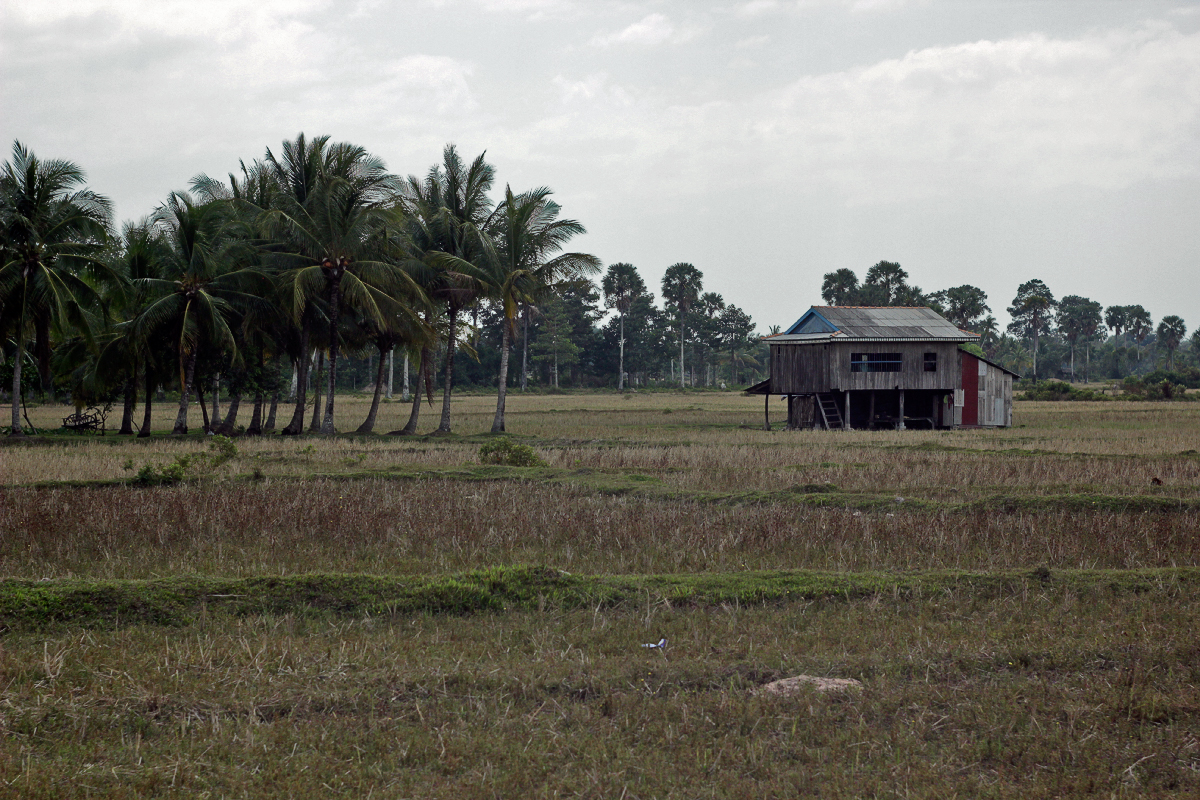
x: 510, y: 454
x: 1154, y: 387
x: 221, y: 450
x: 1060, y: 390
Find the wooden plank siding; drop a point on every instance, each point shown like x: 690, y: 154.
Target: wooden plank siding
x: 824, y: 367
x: 799, y: 368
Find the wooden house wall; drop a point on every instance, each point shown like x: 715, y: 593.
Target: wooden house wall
x: 799, y: 368
x: 806, y: 368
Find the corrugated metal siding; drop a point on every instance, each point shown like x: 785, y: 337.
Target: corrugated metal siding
x: 986, y: 394
x: 970, y: 390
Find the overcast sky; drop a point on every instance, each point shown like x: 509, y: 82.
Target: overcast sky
x: 766, y: 142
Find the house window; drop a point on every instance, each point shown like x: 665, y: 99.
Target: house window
x: 931, y: 362
x: 875, y: 362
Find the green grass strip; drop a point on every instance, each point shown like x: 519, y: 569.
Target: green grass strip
x: 37, y: 605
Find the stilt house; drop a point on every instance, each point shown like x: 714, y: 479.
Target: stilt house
x: 856, y: 367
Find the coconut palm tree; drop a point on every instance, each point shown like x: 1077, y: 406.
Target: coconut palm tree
x: 52, y: 235
x: 448, y: 212
x: 341, y: 227
x: 206, y: 280
x: 526, y: 233
x: 122, y: 356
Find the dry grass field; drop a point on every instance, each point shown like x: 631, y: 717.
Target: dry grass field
x: 1020, y: 606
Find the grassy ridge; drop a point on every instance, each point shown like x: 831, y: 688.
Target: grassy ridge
x: 29, y: 605
x: 621, y: 482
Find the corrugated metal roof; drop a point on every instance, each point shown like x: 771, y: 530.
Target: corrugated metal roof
x: 876, y: 323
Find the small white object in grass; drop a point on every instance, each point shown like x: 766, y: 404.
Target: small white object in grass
x: 660, y: 644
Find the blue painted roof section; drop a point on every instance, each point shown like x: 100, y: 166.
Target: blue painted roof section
x: 812, y: 322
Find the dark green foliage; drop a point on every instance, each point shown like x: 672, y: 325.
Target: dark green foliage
x: 1059, y: 390
x: 506, y: 452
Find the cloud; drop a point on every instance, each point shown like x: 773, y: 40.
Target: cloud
x: 650, y: 30
x: 756, y: 7
x: 1026, y: 114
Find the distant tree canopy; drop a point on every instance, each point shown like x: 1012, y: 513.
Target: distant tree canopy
x: 886, y: 284
x: 298, y: 275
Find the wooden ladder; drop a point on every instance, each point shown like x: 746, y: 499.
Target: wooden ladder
x: 830, y: 416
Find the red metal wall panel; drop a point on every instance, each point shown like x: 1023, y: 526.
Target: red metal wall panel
x: 970, y: 386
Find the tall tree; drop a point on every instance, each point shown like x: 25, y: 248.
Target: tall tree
x: 966, y: 306
x: 1171, y: 331
x: 1117, y: 319
x: 1032, y: 312
x: 621, y: 285
x: 343, y: 235
x: 1141, y: 325
x: 681, y: 287
x: 890, y: 279
x: 527, y: 234
x: 202, y: 289
x: 1078, y: 319
x: 448, y: 213
x: 52, y: 235
x: 840, y: 288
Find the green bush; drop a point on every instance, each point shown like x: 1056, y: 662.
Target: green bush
x: 221, y: 450
x: 1153, y: 388
x: 510, y: 454
x: 1060, y: 390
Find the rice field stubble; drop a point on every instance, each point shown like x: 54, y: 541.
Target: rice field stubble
x: 1050, y: 689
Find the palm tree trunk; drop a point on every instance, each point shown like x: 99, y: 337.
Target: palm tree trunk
x: 444, y: 425
x: 318, y: 384
x: 556, y: 363
x: 621, y: 362
x: 498, y: 422
x: 1087, y: 362
x: 227, y: 425
x: 524, y: 346
x: 185, y: 395
x: 369, y: 423
x: 41, y: 348
x: 681, y: 372
x: 1035, y: 349
x: 422, y: 371
x: 404, y: 390
x: 255, y: 426
x: 391, y: 370
x: 334, y: 309
x: 144, y: 433
x: 216, y: 412
x: 203, y: 410
x: 1072, y: 362
x: 127, y: 413
x: 296, y: 426
x: 269, y: 425
x: 16, y: 430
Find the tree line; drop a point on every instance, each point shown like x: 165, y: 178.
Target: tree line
x: 1122, y: 338
x: 268, y: 282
